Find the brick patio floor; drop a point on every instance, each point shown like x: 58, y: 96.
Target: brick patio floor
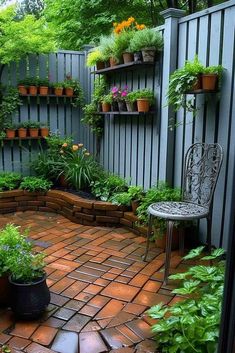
x: 100, y: 289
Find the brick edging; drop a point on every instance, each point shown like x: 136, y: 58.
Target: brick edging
x: 73, y: 207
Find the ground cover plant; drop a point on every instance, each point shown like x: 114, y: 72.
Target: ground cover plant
x: 9, y: 181
x: 192, y: 325
x: 32, y: 183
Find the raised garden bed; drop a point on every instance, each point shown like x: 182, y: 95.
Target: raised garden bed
x: 75, y: 208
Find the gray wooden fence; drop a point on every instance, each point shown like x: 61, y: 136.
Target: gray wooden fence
x: 144, y: 149
x: 58, y: 113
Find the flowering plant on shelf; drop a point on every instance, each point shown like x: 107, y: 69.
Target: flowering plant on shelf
x: 119, y: 94
x: 127, y: 25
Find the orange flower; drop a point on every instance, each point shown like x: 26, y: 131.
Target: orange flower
x: 65, y: 145
x: 74, y: 147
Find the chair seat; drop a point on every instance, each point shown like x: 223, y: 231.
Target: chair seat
x: 178, y: 210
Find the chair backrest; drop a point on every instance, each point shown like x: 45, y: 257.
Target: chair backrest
x: 201, y: 170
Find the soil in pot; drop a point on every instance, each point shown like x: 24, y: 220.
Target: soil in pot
x: 33, y: 132
x: 43, y: 91
x: 33, y: 90
x: 44, y: 131
x: 5, y: 290
x: 58, y: 91
x: 128, y: 58
x: 149, y: 54
x: 22, y: 132
x: 143, y: 105
x: 209, y: 82
x: 122, y: 106
x: 100, y: 65
x: 10, y: 133
x: 106, y: 107
x: 22, y: 90
x: 69, y: 92
x: 28, y: 301
x: 160, y: 241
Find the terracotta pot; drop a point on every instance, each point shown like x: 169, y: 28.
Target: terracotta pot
x: 107, y: 64
x: 209, y: 82
x: 58, y: 91
x: 131, y: 106
x: 138, y: 56
x: 143, y: 105
x: 106, y: 107
x: 5, y: 290
x: 128, y: 58
x: 69, y: 92
x: 135, y: 204
x: 43, y: 90
x: 148, y: 54
x: 22, y: 90
x: 44, y: 131
x: 197, y: 84
x: 113, y: 62
x: 122, y: 106
x: 33, y: 90
x: 100, y: 65
x: 33, y: 132
x: 10, y: 133
x: 161, y: 241
x: 22, y: 132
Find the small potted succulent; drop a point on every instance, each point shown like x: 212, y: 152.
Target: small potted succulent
x: 44, y: 130
x: 33, y: 127
x: 106, y: 102
x: 43, y: 86
x: 23, y: 86
x: 22, y: 129
x: 10, y: 130
x: 58, y: 88
x: 95, y: 57
x: 145, y: 99
x: 211, y: 76
x: 148, y: 41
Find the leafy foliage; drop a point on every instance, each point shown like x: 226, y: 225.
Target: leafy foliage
x: 107, y: 185
x: 9, y: 181
x: 32, y: 183
x: 147, y: 38
x: 9, y: 103
x: 125, y: 198
x: 192, y: 325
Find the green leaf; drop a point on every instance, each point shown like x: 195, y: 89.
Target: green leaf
x: 194, y: 253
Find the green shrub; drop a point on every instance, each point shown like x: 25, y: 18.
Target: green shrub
x: 192, y: 325
x: 107, y: 185
x: 125, y: 198
x: 94, y: 56
x: 146, y: 38
x: 9, y: 181
x: 32, y: 184
x: 122, y: 43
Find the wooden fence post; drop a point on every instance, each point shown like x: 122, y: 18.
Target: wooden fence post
x: 171, y: 17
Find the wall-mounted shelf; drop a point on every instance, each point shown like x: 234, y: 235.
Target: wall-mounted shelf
x: 45, y: 96
x: 23, y: 138
x: 126, y: 113
x: 202, y: 91
x: 134, y: 65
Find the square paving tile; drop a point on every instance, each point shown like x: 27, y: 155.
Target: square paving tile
x: 120, y: 291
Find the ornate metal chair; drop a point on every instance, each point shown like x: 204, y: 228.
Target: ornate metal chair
x: 201, y: 169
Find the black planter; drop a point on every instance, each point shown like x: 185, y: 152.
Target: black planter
x: 4, y: 290
x: 114, y: 107
x: 122, y: 106
x: 28, y: 301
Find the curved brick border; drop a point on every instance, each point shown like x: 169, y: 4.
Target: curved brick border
x: 75, y: 208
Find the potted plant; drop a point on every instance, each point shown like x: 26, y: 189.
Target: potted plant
x: 131, y: 102
x: 95, y: 57
x: 148, y: 41
x: 30, y: 293
x: 33, y: 85
x: 119, y: 95
x: 145, y: 99
x: 58, y: 88
x: 44, y: 130
x: 106, y: 102
x: 12, y: 243
x: 33, y: 127
x: 106, y: 47
x: 121, y: 46
x: 43, y: 86
x: 22, y: 129
x: 23, y: 86
x: 211, y: 76
x: 10, y: 130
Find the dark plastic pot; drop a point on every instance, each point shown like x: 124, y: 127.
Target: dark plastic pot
x: 29, y: 300
x: 122, y: 106
x: 5, y: 290
x: 114, y: 107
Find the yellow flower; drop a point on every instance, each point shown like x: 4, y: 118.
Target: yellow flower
x: 80, y: 145
x: 61, y: 151
x: 142, y: 26
x: 74, y: 147
x: 65, y: 145
x: 86, y: 154
x: 131, y: 19
x: 115, y: 24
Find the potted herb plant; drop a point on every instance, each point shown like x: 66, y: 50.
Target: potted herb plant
x: 106, y: 102
x: 58, y: 88
x: 23, y: 86
x: 33, y: 127
x: 33, y: 85
x: 121, y: 46
x: 30, y: 293
x: 43, y: 86
x: 22, y: 129
x: 106, y: 47
x: 211, y: 76
x: 95, y: 57
x: 131, y: 101
x: 44, y: 130
x: 145, y: 99
x: 148, y: 41
x: 12, y: 243
x: 10, y: 130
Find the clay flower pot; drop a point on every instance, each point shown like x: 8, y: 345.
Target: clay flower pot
x: 161, y: 241
x: 10, y: 133
x: 106, y: 107
x: 22, y: 89
x: 209, y: 82
x: 148, y: 54
x: 33, y: 132
x: 69, y: 91
x: 43, y: 90
x: 128, y: 58
x: 58, y: 91
x: 44, y: 131
x: 22, y: 132
x: 143, y: 105
x: 33, y: 90
x: 113, y: 62
x: 197, y: 84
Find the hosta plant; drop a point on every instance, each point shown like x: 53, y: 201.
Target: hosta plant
x: 192, y: 325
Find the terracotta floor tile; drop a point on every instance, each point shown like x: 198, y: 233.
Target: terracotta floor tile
x: 54, y: 322
x: 89, y: 310
x: 121, y: 318
x: 136, y: 309
x: 77, y: 322
x: 120, y: 291
x: 115, y: 338
x: 93, y: 289
x: 84, y: 297
x: 61, y: 285
x: 129, y: 333
x: 74, y: 304
x: 65, y: 341
x: 64, y: 314
x: 24, y: 329
x: 102, y: 282
x: 99, y: 301
x: 4, y: 338
x: 111, y: 309
x: 37, y: 348
x: 139, y: 280
x: 58, y: 299
x: 140, y: 328
x: 44, y: 335
x: 123, y: 350
x: 91, y: 326
x: 152, y: 286
x: 18, y: 343
x: 122, y: 279
x: 149, y: 298
x: 91, y: 342
x: 74, y: 289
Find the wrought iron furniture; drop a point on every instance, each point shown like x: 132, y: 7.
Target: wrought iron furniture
x: 201, y: 169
